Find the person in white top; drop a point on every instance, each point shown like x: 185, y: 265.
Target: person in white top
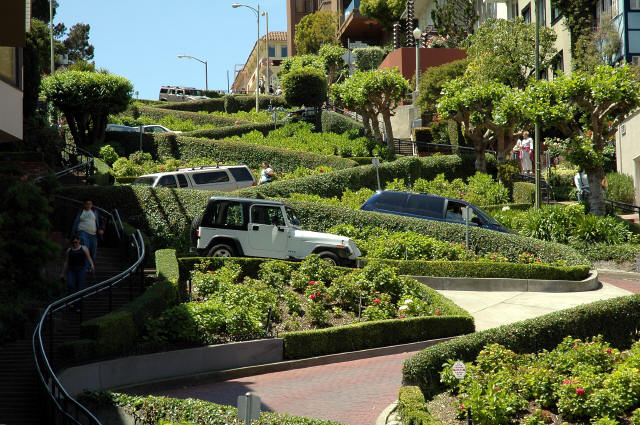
x: 582, y: 184
x: 267, y: 174
x: 525, y: 147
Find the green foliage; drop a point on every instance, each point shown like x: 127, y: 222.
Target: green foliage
x: 384, y: 11
x: 154, y: 410
x: 615, y: 319
x: 579, y: 17
x: 240, y: 103
x: 335, y: 65
x: 332, y: 122
x: 432, y: 80
x: 454, y: 20
x: 300, y: 61
x: 167, y: 265
x: 620, y: 188
x: 199, y: 120
x: 524, y: 192
x: 503, y: 50
x: 80, y: 94
x: 77, y: 43
x: 619, y: 253
x: 305, y: 86
x: 595, y: 48
x: 108, y: 154
x: 313, y: 31
x: 349, y: 199
x: 412, y: 407
x: 368, y: 58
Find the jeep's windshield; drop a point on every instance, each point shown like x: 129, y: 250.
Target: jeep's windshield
x: 193, y: 92
x: 293, y: 217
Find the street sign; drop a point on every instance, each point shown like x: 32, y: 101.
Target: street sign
x: 467, y: 213
x: 248, y: 408
x: 459, y: 369
x: 375, y: 162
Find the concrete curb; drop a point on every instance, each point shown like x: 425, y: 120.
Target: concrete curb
x: 590, y: 283
x: 224, y: 375
x: 384, y: 416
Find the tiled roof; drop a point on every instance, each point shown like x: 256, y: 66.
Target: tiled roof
x: 275, y: 36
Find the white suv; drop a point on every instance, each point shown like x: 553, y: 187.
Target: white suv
x: 225, y: 178
x: 233, y: 227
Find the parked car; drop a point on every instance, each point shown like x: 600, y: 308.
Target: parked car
x: 430, y: 207
x: 151, y: 128
x: 119, y: 127
x: 180, y: 94
x: 232, y: 227
x: 225, y: 178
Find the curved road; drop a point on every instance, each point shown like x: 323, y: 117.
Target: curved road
x: 355, y: 392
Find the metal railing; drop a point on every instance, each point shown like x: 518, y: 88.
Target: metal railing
x: 624, y: 206
x: 64, y: 408
x: 419, y: 147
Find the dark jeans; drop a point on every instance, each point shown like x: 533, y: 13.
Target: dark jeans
x: 76, y: 277
x: 91, y: 242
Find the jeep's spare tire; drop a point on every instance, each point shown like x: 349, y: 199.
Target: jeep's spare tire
x: 195, y: 225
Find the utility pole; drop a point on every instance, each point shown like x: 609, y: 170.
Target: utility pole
x: 537, y: 125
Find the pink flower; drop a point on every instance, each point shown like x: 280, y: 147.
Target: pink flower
x: 608, y: 350
x: 376, y: 301
x: 575, y: 347
x: 326, y: 297
x: 461, y: 407
x: 580, y: 391
x: 438, y: 312
x: 313, y: 296
x: 401, y: 316
x: 212, y: 271
x: 311, y: 282
x: 567, y: 382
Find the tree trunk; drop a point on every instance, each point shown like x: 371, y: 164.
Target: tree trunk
x: 386, y: 117
x: 500, y: 148
x: 366, y: 122
x: 596, y: 198
x: 376, y: 128
x: 481, y: 159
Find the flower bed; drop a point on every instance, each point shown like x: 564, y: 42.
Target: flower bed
x: 576, y: 381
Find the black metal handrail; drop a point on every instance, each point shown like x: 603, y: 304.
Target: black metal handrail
x: 65, y: 408
x: 624, y: 206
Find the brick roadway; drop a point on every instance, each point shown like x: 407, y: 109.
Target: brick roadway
x: 627, y: 281
x: 352, y: 393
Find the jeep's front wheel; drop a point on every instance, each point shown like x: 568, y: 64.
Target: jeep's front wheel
x: 329, y: 257
x: 221, y: 250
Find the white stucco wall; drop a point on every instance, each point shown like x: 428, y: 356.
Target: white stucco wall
x: 628, y: 150
x: 10, y: 110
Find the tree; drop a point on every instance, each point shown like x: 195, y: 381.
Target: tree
x: 348, y: 95
x: 600, y: 47
x: 505, y: 51
x: 432, y: 80
x: 335, y: 66
x: 86, y: 99
x: 488, y: 112
x: 375, y: 93
x: 77, y: 43
x: 368, y: 57
x: 300, y: 61
x: 305, y: 86
x: 587, y: 108
x: 384, y: 11
x: 40, y: 9
x: 314, y: 30
x: 454, y: 20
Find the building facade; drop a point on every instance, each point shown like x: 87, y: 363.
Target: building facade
x: 272, y: 50
x: 15, y: 19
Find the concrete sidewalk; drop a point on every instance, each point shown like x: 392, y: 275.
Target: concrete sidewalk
x: 491, y: 309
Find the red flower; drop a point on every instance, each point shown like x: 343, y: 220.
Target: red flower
x: 496, y: 388
x: 313, y: 296
x: 537, y: 260
x: 401, y: 316
x: 326, y: 297
x: 461, y: 407
x: 376, y: 301
x: 438, y: 312
x: 321, y: 170
x: 608, y: 350
x: 580, y: 391
x: 575, y: 347
x: 212, y: 271
x: 279, y: 171
x: 567, y: 381
x: 311, y: 282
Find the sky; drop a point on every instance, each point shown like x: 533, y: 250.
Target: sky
x: 141, y: 39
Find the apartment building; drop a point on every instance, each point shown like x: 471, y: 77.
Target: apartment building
x: 272, y: 50
x: 15, y: 19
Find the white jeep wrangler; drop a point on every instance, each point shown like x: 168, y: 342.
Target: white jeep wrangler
x: 233, y: 227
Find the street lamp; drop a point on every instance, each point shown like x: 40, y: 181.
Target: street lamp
x: 257, y: 12
x: 536, y: 135
x: 268, y: 82
x: 417, y: 33
x: 206, y: 76
x: 53, y: 65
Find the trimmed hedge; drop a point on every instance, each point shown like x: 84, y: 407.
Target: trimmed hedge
x: 113, y: 333
x: 487, y: 269
x: 229, y: 104
x: 167, y: 267
x: 167, y: 215
x: 209, y: 105
x: 130, y: 141
x: 196, y: 118
x: 423, y: 134
x: 412, y: 407
x: 360, y: 336
x: 334, y: 184
x: 524, y: 193
x: 186, y: 148
x: 230, y: 131
x: 125, y: 179
x: 333, y: 122
x: 617, y: 320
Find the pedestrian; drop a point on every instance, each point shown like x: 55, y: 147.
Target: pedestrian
x: 525, y: 147
x: 87, y: 225
x: 582, y: 184
x: 76, y: 260
x: 267, y: 174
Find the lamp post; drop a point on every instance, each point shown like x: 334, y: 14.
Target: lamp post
x: 268, y: 82
x: 53, y: 64
x: 536, y: 150
x: 417, y: 33
x: 257, y: 12
x: 206, y: 75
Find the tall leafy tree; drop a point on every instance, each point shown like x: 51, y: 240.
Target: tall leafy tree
x: 587, y: 108
x: 599, y: 47
x: 384, y: 11
x: 504, y: 51
x: 86, y: 99
x: 305, y: 86
x: 40, y: 9
x: 335, y: 66
x: 77, y: 43
x: 314, y: 30
x: 454, y: 20
x: 432, y: 80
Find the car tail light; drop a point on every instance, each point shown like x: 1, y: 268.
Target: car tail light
x: 196, y: 233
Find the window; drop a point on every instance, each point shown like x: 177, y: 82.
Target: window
x: 634, y: 4
x: 210, y: 177
x: 304, y: 6
x: 9, y: 65
x: 163, y: 90
x: 263, y: 214
x: 241, y: 174
x: 227, y: 214
x: 558, y: 63
x: 425, y: 205
x: 391, y: 201
x: 272, y: 51
x: 182, y: 180
x: 513, y: 10
x: 167, y: 181
x: 526, y: 13
x: 454, y: 211
x: 556, y: 14
x: 283, y: 50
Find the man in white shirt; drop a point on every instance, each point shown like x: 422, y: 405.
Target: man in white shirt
x: 582, y: 184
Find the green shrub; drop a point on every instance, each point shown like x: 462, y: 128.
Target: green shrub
x: 158, y: 114
x: 333, y: 122
x: 209, y: 105
x: 412, y: 407
x: 368, y: 58
x: 524, y: 192
x: 113, y: 333
x: 230, y: 131
x: 602, y: 251
x: 153, y: 410
x: 620, y: 188
x: 422, y: 134
x: 167, y: 265
x: 108, y: 154
x: 305, y: 86
x: 616, y: 319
